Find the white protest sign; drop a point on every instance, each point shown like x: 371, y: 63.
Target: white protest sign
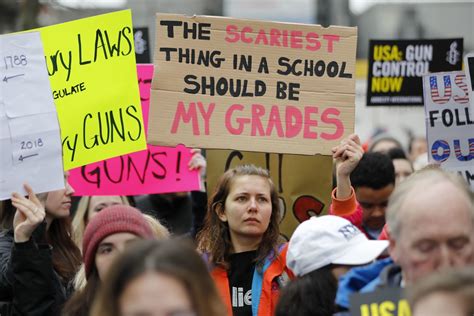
x: 450, y: 123
x: 29, y: 128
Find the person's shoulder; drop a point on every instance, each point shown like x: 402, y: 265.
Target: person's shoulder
x: 6, y: 236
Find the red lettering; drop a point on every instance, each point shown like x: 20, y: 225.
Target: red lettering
x: 334, y: 121
x: 312, y: 38
x: 241, y: 122
x: 296, y: 39
x: 293, y: 120
x: 231, y: 30
x: 308, y: 122
x: 206, y: 115
x: 261, y: 37
x: 331, y: 39
x: 246, y: 29
x: 285, y: 38
x: 181, y: 114
x: 274, y: 37
x: 275, y: 122
x: 258, y: 111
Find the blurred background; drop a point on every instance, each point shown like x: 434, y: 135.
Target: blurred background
x: 375, y: 19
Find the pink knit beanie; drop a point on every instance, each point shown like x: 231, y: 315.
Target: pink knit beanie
x: 111, y: 220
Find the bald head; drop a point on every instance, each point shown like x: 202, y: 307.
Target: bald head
x: 431, y: 223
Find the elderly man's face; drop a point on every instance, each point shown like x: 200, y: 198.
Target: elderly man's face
x: 437, y: 231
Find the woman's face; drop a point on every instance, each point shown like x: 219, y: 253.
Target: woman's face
x: 155, y: 294
x: 109, y: 248
x: 403, y: 169
x: 97, y: 203
x: 58, y: 203
x: 248, y: 207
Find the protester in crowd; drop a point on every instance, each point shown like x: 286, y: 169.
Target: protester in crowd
x: 430, y: 222
x: 449, y: 293
x: 181, y: 212
x: 159, y: 231
x: 320, y: 250
x: 417, y: 147
x: 38, y: 258
x: 87, y: 208
x: 159, y: 278
x: 382, y: 143
x: 402, y: 165
x: 430, y: 219
x: 106, y: 236
x: 241, y: 241
x: 372, y: 177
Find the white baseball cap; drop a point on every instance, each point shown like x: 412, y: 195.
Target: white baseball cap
x: 329, y: 239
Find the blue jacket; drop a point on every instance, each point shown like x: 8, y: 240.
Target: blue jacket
x: 360, y: 280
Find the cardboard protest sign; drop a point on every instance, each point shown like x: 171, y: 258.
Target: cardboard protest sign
x: 396, y: 68
x: 450, y: 123
x: 252, y: 85
x: 300, y: 196
x: 155, y: 170
x: 29, y: 129
x: 388, y: 302
x: 91, y: 64
x: 142, y: 45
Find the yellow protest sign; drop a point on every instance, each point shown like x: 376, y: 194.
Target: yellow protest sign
x: 92, y: 70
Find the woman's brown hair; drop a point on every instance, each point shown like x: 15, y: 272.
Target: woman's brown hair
x: 66, y: 256
x: 176, y: 258
x: 214, y: 238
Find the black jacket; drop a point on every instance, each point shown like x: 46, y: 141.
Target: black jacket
x: 28, y: 283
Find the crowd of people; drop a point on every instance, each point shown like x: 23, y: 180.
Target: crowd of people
x: 391, y: 223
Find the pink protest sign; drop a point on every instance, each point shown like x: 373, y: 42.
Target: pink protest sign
x: 155, y: 170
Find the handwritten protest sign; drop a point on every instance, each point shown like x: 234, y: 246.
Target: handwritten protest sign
x: 450, y: 123
x: 91, y: 64
x: 300, y: 197
x: 396, y: 68
x: 252, y: 85
x: 155, y: 170
x: 29, y: 129
x: 389, y: 301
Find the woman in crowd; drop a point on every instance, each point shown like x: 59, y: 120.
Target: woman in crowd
x: 402, y: 165
x: 38, y: 258
x: 89, y: 206
x: 241, y: 241
x: 159, y: 278
x: 106, y: 236
x: 321, y: 250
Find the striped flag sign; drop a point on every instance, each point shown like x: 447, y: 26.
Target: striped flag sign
x: 459, y: 80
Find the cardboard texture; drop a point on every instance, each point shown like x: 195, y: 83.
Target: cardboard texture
x: 92, y: 70
x: 155, y: 170
x: 300, y: 196
x: 450, y: 123
x: 273, y: 103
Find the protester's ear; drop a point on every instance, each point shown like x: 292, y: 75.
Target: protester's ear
x: 220, y: 211
x: 392, y: 249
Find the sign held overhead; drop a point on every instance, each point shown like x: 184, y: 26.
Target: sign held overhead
x: 252, y: 85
